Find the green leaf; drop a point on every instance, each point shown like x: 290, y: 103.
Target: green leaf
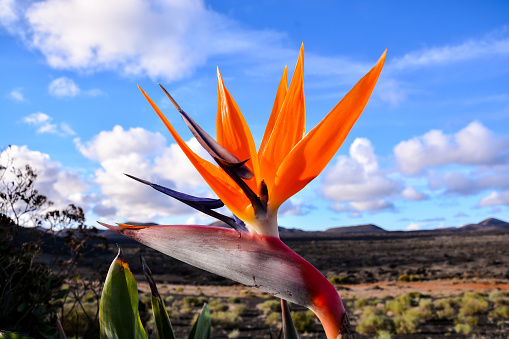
x: 162, y: 320
x: 201, y: 328
x: 289, y: 331
x: 12, y: 335
x: 118, y: 309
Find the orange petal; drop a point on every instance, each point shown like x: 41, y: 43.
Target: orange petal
x: 289, y: 127
x: 220, y: 182
x: 233, y: 132
x: 313, y: 153
x: 278, y: 103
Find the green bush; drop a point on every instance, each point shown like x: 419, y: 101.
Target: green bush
x: 373, y: 321
x: 406, y: 324
x: 216, y: 305
x: 195, y: 301
x: 422, y: 314
x: 360, y: 303
x: 337, y: 280
x: 399, y: 305
x: 304, y: 321
x: 271, y: 306
x: 234, y: 300
x: 227, y: 320
x: 500, y: 312
x: 407, y: 278
x: 384, y: 335
x: 446, y: 313
x: 234, y: 334
x: 444, y: 303
x: 273, y: 318
x: 463, y: 329
x: 472, y: 304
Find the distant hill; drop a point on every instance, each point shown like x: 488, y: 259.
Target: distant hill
x: 490, y: 224
x: 359, y: 229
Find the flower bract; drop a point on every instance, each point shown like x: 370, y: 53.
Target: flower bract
x: 253, y: 184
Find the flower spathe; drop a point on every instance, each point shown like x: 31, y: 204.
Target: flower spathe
x: 253, y: 184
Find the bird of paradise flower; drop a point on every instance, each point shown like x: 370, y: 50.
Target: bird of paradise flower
x: 253, y: 185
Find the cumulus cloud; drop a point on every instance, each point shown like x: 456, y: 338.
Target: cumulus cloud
x: 58, y: 184
x: 294, y: 206
x: 411, y: 193
x: 358, y: 181
x: 113, y: 35
x: 118, y: 142
x: 63, y: 87
x: 17, y: 94
x: 43, y: 123
x: 143, y: 154
x: 495, y: 199
x: 473, y: 145
x: 415, y: 226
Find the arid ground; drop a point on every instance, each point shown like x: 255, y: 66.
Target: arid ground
x: 435, y: 272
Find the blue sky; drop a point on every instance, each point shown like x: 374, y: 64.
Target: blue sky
x: 430, y: 150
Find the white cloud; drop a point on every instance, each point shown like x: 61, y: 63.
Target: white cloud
x: 415, y: 226
x: 145, y: 155
x: 36, y: 118
x: 43, y: 123
x: 495, y: 199
x: 472, y: 49
x: 294, y: 206
x: 372, y: 206
x: 16, y: 94
x: 167, y: 38
x: 59, y: 185
x: 412, y: 194
x: 357, y: 177
x: 358, y: 181
x: 473, y: 145
x: 8, y: 15
x: 63, y: 87
x: 118, y: 142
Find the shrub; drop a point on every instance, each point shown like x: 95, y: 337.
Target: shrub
x: 216, y: 305
x: 384, y: 335
x: 228, y: 320
x: 500, y: 312
x: 304, y: 321
x: 463, y: 329
x: 373, y: 321
x: 234, y: 334
x: 473, y: 304
x: 444, y: 303
x: 446, y: 313
x: 337, y: 280
x: 271, y: 306
x: 360, y: 303
x: 179, y: 289
x: 195, y: 301
x: 273, y: 318
x: 399, y: 305
x: 238, y: 309
x: 407, y: 278
x: 426, y: 304
x: 422, y: 314
x: 234, y: 300
x: 406, y: 324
